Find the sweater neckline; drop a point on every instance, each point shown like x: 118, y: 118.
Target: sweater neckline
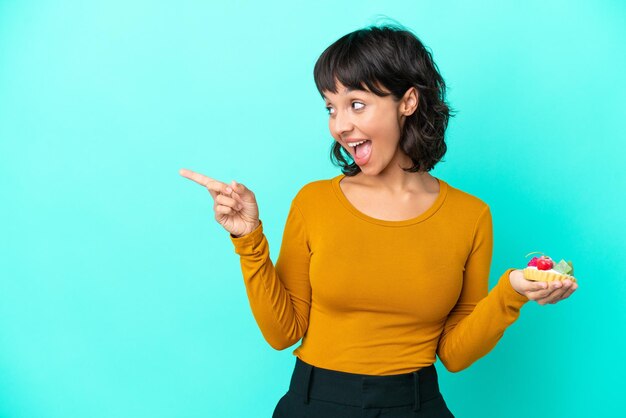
x: 443, y: 191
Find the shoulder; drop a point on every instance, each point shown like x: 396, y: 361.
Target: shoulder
x: 312, y: 192
x: 466, y: 202
x: 313, y: 201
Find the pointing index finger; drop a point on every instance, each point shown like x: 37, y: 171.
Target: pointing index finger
x: 208, y: 182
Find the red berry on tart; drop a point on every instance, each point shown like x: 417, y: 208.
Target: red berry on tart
x: 544, y: 263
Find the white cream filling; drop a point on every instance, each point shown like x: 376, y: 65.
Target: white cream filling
x: 549, y: 271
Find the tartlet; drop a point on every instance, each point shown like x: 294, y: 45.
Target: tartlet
x: 543, y: 269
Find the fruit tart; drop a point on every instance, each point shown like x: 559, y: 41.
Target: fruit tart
x: 543, y: 269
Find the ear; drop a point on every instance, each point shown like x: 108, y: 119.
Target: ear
x: 409, y: 102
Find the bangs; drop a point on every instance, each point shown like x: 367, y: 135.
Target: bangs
x: 354, y: 62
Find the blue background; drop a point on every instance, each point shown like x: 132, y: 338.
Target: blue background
x: 121, y: 296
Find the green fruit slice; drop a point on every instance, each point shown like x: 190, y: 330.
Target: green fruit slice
x: 562, y: 267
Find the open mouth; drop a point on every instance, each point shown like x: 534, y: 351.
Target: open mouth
x: 353, y: 150
x: 362, y: 152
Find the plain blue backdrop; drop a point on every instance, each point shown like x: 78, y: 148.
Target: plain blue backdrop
x: 121, y: 296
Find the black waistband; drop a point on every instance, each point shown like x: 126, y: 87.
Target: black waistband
x: 366, y: 391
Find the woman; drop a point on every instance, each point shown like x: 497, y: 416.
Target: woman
x: 384, y: 266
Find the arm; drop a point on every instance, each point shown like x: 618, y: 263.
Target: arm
x: 280, y: 295
x: 479, y: 319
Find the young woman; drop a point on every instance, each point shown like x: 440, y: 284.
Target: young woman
x: 384, y: 266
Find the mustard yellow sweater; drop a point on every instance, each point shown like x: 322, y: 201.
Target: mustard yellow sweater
x: 379, y: 297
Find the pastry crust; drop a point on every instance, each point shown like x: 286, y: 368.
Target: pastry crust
x: 545, y: 275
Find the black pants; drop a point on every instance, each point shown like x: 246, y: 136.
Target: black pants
x: 321, y: 393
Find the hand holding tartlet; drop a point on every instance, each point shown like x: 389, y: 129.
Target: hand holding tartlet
x: 544, y: 281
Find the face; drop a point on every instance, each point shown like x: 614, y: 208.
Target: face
x: 362, y: 115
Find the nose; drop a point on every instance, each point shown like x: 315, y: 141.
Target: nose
x: 341, y: 123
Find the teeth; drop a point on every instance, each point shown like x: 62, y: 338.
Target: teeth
x: 354, y: 144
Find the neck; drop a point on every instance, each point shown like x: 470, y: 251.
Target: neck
x: 399, y: 181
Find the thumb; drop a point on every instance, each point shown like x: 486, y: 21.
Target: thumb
x: 238, y: 187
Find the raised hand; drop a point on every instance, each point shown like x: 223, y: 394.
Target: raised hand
x: 542, y: 292
x: 234, y: 205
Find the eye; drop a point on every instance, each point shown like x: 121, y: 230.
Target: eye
x: 328, y: 108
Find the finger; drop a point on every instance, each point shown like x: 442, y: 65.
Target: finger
x: 571, y: 290
x: 541, y: 293
x: 234, y: 194
x: 206, y: 181
x: 550, y: 297
x: 239, y: 188
x: 557, y: 295
x: 532, y: 288
x: 197, y: 177
x: 536, y: 286
x: 226, y: 210
x: 228, y: 201
x: 556, y: 290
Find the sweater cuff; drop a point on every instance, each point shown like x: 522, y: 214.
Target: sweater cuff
x: 513, y: 298
x: 249, y: 243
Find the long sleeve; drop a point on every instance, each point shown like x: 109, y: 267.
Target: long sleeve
x: 479, y: 319
x: 279, y: 295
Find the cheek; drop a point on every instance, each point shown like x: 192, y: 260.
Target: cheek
x: 381, y: 128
